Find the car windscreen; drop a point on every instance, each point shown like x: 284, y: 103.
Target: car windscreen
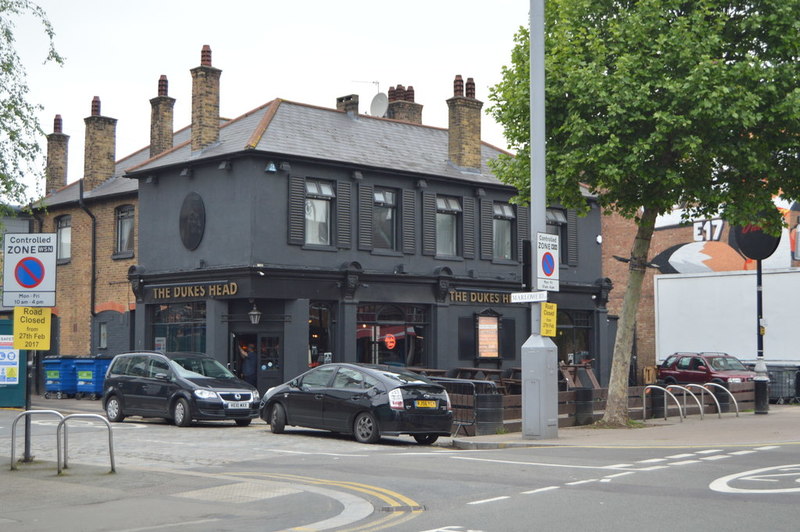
x: 194, y: 367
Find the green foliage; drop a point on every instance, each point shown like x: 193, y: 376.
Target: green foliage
x: 657, y: 103
x: 19, y: 128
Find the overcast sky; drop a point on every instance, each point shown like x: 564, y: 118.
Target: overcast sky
x: 308, y: 51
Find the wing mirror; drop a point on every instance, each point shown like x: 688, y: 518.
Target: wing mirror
x: 162, y: 376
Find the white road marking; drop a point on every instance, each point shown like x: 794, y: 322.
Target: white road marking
x: 756, y: 475
x: 685, y: 462
x: 490, y: 500
x: 540, y: 490
x: 615, y: 475
x: 653, y: 468
x: 715, y: 457
x: 578, y: 482
x: 513, y: 462
x: 618, y: 466
x: 768, y: 448
x: 709, y: 451
x: 652, y: 461
x: 676, y: 456
x: 740, y: 453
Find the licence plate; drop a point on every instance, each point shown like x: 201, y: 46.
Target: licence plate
x: 425, y: 404
x: 242, y: 404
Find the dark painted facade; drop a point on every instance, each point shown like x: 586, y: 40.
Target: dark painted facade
x: 352, y: 237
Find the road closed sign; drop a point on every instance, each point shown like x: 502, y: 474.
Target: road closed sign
x: 29, y: 270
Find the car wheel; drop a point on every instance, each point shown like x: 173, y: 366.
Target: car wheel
x: 669, y: 381
x: 277, y: 419
x: 181, y: 414
x: 114, y: 410
x: 365, y: 428
x: 243, y: 422
x: 426, y: 439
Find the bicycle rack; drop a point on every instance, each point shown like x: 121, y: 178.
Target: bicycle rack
x: 14, y: 430
x: 703, y: 391
x: 736, y: 404
x: 666, y: 392
x: 62, y: 423
x: 685, y: 390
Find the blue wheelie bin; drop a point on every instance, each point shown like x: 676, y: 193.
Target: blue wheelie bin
x: 60, y: 378
x: 91, y: 374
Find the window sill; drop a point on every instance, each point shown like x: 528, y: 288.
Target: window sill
x: 122, y: 255
x: 452, y: 258
x: 508, y: 262
x: 63, y: 261
x: 317, y: 247
x: 387, y: 252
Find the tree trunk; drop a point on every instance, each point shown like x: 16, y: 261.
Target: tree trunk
x: 616, y: 413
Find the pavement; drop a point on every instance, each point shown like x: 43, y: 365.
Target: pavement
x: 780, y: 425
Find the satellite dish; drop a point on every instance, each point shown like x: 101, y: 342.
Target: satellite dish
x: 379, y: 105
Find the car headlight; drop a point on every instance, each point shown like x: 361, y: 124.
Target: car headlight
x: 735, y: 379
x: 256, y: 396
x: 206, y: 394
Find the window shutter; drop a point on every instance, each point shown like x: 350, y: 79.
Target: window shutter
x: 468, y: 218
x: 572, y: 237
x: 428, y: 223
x: 523, y: 229
x: 409, y: 221
x: 297, y: 204
x: 487, y: 229
x: 366, y: 201
x: 344, y: 209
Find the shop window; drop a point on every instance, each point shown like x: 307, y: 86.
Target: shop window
x: 180, y: 327
x: 391, y: 334
x: 125, y: 226
x: 502, y: 230
x: 448, y: 212
x: 320, y: 318
x: 64, y: 238
x: 573, y: 336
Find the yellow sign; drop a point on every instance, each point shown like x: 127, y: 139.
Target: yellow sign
x: 548, y: 319
x: 32, y: 328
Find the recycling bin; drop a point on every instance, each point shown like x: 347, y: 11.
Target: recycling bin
x: 60, y: 379
x: 90, y: 376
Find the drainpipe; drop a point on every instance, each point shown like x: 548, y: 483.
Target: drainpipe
x: 94, y: 245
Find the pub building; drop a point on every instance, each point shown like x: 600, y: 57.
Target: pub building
x: 329, y: 235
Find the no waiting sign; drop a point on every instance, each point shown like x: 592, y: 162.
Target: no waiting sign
x: 29, y: 270
x: 547, y: 262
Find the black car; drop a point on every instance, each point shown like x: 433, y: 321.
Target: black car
x: 363, y: 400
x: 180, y: 387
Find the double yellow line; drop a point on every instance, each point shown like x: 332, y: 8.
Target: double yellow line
x: 399, y: 507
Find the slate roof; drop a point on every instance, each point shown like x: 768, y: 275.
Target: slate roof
x: 291, y: 129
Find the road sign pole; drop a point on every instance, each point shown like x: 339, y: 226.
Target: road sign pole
x: 539, y: 355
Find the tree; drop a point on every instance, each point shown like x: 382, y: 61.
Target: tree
x: 19, y: 127
x: 658, y: 103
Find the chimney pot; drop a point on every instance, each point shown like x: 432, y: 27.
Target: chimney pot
x: 163, y: 85
x: 57, y: 124
x: 458, y: 86
x: 96, y: 106
x: 205, y: 56
x: 470, y: 88
x: 410, y: 94
x: 392, y: 94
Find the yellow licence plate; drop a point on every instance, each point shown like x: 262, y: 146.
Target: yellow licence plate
x: 425, y: 404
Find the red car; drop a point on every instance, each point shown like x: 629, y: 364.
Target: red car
x: 700, y: 368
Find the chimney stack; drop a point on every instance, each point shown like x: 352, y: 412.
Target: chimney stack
x: 464, y: 139
x: 348, y: 104
x: 161, y: 119
x: 57, y: 144
x: 402, y: 106
x: 205, y: 102
x: 99, y: 152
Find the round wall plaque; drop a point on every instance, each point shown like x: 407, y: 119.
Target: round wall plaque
x: 192, y: 221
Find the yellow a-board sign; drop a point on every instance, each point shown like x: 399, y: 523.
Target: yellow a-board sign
x: 32, y: 328
x: 548, y: 319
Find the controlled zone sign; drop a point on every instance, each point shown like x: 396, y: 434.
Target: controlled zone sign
x: 29, y: 270
x: 547, y: 262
